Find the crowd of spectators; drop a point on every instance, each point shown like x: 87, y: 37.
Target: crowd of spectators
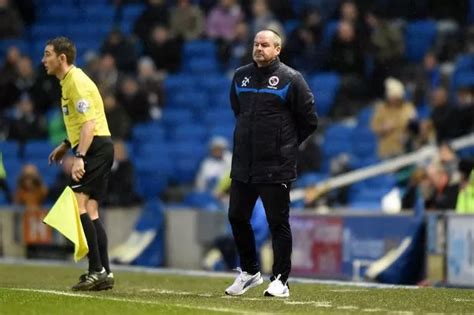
x: 367, y: 51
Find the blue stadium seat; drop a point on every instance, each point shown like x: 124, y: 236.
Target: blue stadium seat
x: 189, y: 99
x: 330, y: 30
x: 13, y: 168
x: 9, y: 149
x: 37, y: 149
x: 310, y: 179
x: 225, y: 130
x: 176, y: 83
x: 132, y: 11
x: 463, y: 79
x: 199, y: 48
x: 340, y: 132
x: 155, y: 149
x: 190, y: 150
x: 219, y: 117
x: 325, y: 87
x: 419, y: 38
x: 149, y: 185
x: 201, y: 65
x: 175, y: 117
x: 365, y: 144
x: 189, y: 132
x: 148, y: 132
x: 365, y: 116
x: 215, y: 84
x: 185, y: 170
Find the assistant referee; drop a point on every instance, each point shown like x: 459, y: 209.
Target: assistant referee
x: 89, y: 137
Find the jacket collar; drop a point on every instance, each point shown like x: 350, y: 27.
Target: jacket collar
x: 270, y: 68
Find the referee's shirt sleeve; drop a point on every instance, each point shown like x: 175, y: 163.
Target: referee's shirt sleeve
x: 83, y: 104
x: 303, y: 108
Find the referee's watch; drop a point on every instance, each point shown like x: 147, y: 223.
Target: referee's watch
x: 79, y: 155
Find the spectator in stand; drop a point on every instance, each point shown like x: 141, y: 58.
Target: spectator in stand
x: 303, y: 49
x: 108, y: 75
x: 263, y: 17
x: 24, y: 82
x: 27, y: 11
x: 387, y: 47
x: 424, y: 78
x: 239, y: 51
x: 391, y: 118
x: 164, y: 49
x: 63, y: 179
x: 119, y: 121
x: 443, y: 115
x: 134, y: 100
x: 347, y: 58
x: 121, y: 190
x: 214, y: 166
x: 122, y: 49
x: 445, y: 188
x: 11, y: 25
x: 187, y: 20
x: 465, y: 110
x: 25, y: 123
x: 349, y: 12
x: 152, y: 84
x: 223, y: 19
x: 9, y: 71
x: 156, y: 13
x: 221, y: 25
x: 30, y: 191
x: 282, y: 9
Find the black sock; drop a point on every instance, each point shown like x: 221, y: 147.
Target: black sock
x: 91, y: 236
x: 102, y: 241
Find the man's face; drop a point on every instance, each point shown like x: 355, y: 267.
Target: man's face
x: 264, y: 48
x: 51, y: 60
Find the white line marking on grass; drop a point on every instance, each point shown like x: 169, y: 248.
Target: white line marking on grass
x: 401, y: 312
x: 463, y: 300
x: 372, y: 310
x: 109, y: 298
x: 160, y: 291
x: 313, y: 303
x: 347, y: 307
x: 348, y: 290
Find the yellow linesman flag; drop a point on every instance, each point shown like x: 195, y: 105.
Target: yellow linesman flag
x: 64, y: 217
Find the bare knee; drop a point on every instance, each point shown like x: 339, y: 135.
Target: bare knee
x: 93, y: 209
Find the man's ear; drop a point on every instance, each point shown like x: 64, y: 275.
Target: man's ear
x: 278, y: 49
x: 62, y: 58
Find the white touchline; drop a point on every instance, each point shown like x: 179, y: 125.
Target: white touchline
x: 205, y: 308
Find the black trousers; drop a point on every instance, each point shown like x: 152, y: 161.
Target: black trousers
x: 276, y: 201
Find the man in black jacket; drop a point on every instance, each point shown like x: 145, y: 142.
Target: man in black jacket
x: 275, y: 113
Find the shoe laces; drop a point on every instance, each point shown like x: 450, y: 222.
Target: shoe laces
x: 243, y: 276
x: 277, y: 281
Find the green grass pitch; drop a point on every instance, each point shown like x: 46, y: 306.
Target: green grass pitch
x: 40, y: 289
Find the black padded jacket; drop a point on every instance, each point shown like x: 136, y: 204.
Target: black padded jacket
x: 275, y: 113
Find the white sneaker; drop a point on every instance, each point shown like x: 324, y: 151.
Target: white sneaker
x: 277, y: 288
x: 243, y: 282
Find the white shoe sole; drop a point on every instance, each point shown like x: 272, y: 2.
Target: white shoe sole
x: 284, y: 295
x: 253, y: 285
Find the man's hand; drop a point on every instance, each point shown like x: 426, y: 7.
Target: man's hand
x: 57, y: 154
x: 78, y: 169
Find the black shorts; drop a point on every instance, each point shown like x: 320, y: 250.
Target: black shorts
x: 98, y: 162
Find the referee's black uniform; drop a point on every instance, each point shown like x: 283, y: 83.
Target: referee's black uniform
x: 274, y: 110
